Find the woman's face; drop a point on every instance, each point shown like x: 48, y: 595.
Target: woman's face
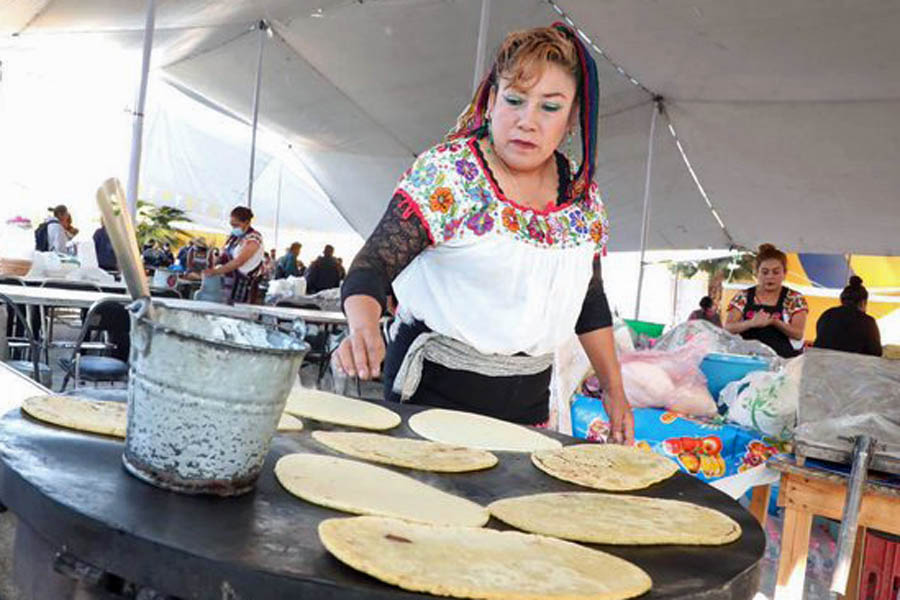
x: 529, y: 124
x: 770, y: 274
x: 238, y: 224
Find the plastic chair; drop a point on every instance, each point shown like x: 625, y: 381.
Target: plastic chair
x: 111, y: 318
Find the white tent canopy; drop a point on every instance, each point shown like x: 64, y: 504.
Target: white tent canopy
x: 785, y: 110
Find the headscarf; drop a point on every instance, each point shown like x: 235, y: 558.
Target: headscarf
x: 474, y: 119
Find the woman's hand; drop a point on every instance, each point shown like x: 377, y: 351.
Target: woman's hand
x: 621, y: 419
x: 761, y: 319
x: 360, y: 353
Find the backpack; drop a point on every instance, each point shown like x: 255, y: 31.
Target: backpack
x: 41, y: 239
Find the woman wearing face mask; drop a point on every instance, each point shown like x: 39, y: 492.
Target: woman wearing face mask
x: 769, y: 312
x: 488, y: 243
x: 241, y: 260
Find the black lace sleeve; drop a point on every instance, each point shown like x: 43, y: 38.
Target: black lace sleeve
x: 396, y: 241
x: 595, y: 312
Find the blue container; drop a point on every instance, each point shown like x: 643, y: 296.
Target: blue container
x: 722, y: 369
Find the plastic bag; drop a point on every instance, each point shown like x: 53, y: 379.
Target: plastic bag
x: 766, y: 400
x: 708, y: 338
x: 670, y: 380
x: 622, y: 336
x: 844, y: 395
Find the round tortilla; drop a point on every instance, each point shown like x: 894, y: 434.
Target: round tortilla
x: 289, y: 423
x: 605, y: 466
x: 365, y: 489
x: 617, y: 519
x: 479, y: 563
x: 478, y: 431
x: 331, y: 408
x: 91, y: 416
x: 404, y: 452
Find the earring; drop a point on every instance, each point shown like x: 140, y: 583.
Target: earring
x: 570, y: 149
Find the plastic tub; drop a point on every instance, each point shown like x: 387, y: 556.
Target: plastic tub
x: 722, y: 369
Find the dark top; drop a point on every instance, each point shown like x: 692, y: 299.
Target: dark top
x: 106, y: 256
x: 323, y: 274
x: 287, y: 266
x: 848, y: 329
x: 182, y: 257
x: 768, y: 335
x: 700, y: 315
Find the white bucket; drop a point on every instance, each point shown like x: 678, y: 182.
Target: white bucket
x: 205, y: 396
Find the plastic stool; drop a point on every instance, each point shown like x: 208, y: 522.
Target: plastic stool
x: 880, y: 579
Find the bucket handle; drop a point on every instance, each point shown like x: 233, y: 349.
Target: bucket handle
x: 141, y: 338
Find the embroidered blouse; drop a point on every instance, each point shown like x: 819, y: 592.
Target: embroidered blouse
x: 475, y: 265
x: 794, y: 303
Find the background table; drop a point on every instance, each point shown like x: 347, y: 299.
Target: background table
x: 71, y: 489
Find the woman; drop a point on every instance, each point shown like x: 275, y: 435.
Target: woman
x: 488, y: 242
x: 241, y: 260
x: 847, y: 327
x: 706, y: 312
x: 769, y: 312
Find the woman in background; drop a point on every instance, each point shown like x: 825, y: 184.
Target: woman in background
x: 847, y: 327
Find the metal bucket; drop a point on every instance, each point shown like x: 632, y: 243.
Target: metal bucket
x: 205, y: 396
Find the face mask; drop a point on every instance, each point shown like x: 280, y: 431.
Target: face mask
x: 237, y: 232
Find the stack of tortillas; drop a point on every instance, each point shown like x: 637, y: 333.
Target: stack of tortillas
x: 361, y: 488
x: 101, y: 416
x: 617, y: 519
x: 479, y: 563
x: 404, y: 452
x: 331, y: 408
x: 605, y: 466
x: 477, y: 431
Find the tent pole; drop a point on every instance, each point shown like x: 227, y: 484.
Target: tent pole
x: 278, y: 205
x: 137, y: 129
x: 263, y: 28
x: 645, y: 221
x: 481, y: 51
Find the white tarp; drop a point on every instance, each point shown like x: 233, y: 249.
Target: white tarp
x: 786, y: 110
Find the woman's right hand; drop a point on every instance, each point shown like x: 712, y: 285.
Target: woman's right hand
x: 361, y: 353
x: 760, y: 319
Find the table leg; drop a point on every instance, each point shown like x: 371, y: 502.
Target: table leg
x: 759, y: 503
x: 794, y: 552
x: 856, y: 565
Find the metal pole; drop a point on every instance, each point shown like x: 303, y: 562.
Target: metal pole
x: 263, y: 28
x: 278, y: 205
x: 137, y: 129
x: 645, y: 222
x: 481, y: 49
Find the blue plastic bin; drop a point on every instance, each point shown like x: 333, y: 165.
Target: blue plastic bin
x: 722, y: 369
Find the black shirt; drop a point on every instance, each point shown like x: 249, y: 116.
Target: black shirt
x: 848, y: 329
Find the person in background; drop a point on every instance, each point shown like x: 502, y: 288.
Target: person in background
x: 289, y: 264
x: 167, y: 256
x: 152, y: 255
x: 341, y: 270
x: 60, y: 230
x: 324, y: 273
x: 847, y: 327
x: 241, y: 260
x: 707, y: 312
x: 106, y: 256
x: 769, y: 312
x: 183, y: 254
x: 199, y: 257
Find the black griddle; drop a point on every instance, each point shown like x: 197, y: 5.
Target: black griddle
x: 71, y: 489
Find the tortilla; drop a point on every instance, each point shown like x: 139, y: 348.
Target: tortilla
x: 605, y: 466
x: 361, y: 488
x: 478, y: 431
x: 331, y: 408
x: 404, y: 452
x: 289, y: 423
x: 479, y: 563
x: 617, y: 519
x: 80, y: 414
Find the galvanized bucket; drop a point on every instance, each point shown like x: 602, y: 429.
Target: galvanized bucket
x: 205, y: 396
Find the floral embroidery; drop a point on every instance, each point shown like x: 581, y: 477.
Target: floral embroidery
x: 441, y: 199
x: 452, y: 189
x: 480, y: 222
x: 467, y: 169
x: 510, y: 219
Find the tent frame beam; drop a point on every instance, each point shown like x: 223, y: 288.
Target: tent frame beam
x: 137, y: 131
x: 645, y: 219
